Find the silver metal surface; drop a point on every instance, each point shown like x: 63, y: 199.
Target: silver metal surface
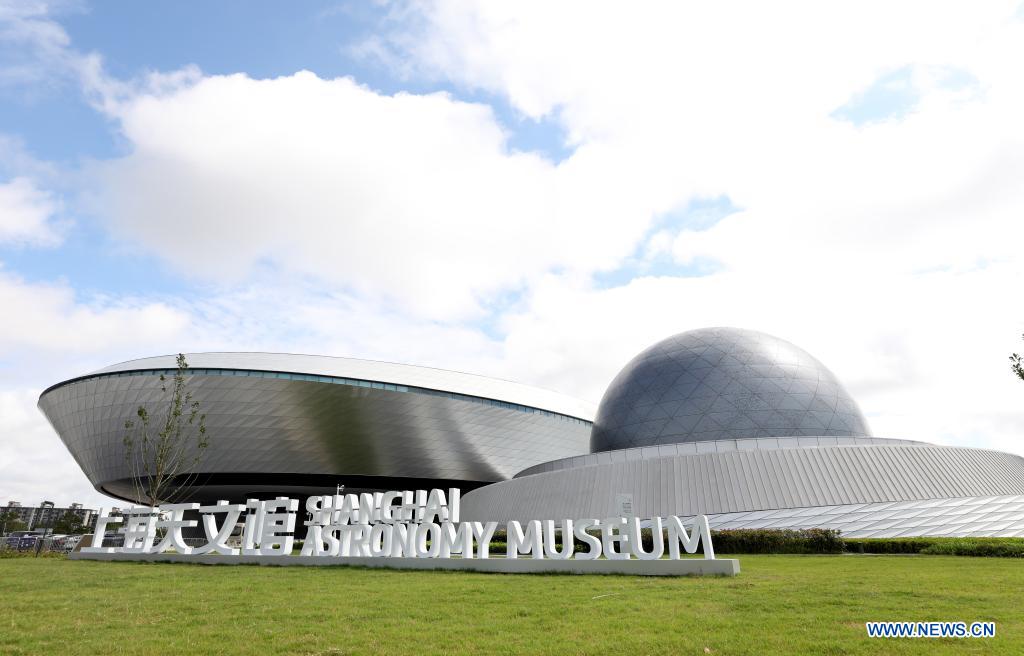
x: 1000, y: 516
x: 384, y: 372
x: 271, y: 435
x: 753, y: 480
x: 722, y: 383
x: 717, y: 446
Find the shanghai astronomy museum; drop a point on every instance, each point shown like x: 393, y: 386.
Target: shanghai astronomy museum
x: 743, y: 427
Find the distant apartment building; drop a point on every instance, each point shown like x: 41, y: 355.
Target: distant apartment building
x: 46, y: 514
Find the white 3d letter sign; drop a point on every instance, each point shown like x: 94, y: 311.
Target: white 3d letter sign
x: 398, y: 524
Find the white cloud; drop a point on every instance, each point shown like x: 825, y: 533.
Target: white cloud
x: 34, y: 48
x: 48, y: 335
x: 34, y: 465
x: 26, y: 214
x: 47, y: 319
x: 414, y: 200
x: 888, y: 250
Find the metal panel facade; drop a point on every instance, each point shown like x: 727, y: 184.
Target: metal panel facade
x: 385, y: 372
x: 270, y: 435
x: 722, y: 383
x: 754, y: 480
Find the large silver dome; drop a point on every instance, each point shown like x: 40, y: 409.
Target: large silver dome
x: 722, y: 383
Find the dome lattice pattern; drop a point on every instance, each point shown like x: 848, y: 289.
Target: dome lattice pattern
x: 722, y: 383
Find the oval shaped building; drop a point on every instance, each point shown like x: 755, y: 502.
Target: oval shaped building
x: 283, y: 424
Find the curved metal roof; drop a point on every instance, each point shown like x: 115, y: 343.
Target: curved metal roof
x: 722, y: 383
x: 383, y: 372
x: 715, y: 446
x: 754, y: 480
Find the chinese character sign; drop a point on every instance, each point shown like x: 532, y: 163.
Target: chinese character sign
x: 396, y: 524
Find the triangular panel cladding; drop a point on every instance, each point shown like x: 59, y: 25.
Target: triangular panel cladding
x: 723, y: 383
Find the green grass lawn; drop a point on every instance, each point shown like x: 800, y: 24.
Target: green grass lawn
x: 778, y: 604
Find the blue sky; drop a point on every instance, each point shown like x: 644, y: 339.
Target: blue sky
x: 535, y: 192
x: 261, y: 39
x: 56, y: 123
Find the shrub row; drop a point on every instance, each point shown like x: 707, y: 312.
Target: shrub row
x: 991, y: 547
x: 829, y: 541
x: 888, y: 545
x: 781, y: 541
x: 751, y: 541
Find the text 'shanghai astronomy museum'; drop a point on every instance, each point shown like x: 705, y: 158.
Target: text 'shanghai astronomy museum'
x: 740, y: 426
